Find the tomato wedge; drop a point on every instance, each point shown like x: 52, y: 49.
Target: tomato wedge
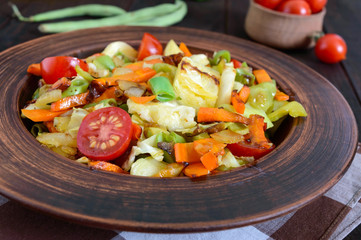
x: 149, y: 45
x: 53, y: 68
x: 105, y: 134
x: 248, y: 150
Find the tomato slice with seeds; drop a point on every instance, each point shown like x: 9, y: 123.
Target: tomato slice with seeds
x: 105, y: 134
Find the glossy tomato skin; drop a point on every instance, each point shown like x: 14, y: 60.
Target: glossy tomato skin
x: 248, y: 150
x: 105, y: 134
x: 236, y: 63
x: 299, y: 7
x: 331, y: 48
x: 271, y: 4
x: 317, y: 5
x: 149, y: 45
x: 53, y: 68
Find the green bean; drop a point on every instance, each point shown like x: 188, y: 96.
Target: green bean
x: 164, y: 20
x: 77, y: 86
x: 97, y: 10
x: 104, y: 62
x: 38, y: 128
x: 83, y: 73
x: 129, y: 18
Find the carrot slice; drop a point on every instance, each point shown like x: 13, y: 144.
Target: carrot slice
x: 139, y: 65
x: 139, y: 76
x: 281, y: 96
x: 210, y: 161
x: 62, y: 84
x: 244, y: 93
x: 195, y: 170
x: 261, y: 76
x: 219, y: 115
x: 237, y: 103
x: 105, y: 166
x: 34, y: 69
x: 256, y: 131
x: 137, y: 131
x: 185, y: 152
x: 41, y: 115
x: 50, y: 126
x: 108, y: 93
x: 143, y: 100
x: 185, y: 50
x: 69, y: 102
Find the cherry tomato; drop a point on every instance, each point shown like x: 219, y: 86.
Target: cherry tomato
x: 248, y: 150
x: 271, y: 4
x: 331, y: 48
x: 316, y: 5
x: 236, y: 64
x: 105, y: 134
x: 53, y: 68
x: 149, y: 46
x: 298, y: 7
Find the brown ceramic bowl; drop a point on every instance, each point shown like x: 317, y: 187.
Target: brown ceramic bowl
x: 282, y: 30
x: 311, y: 155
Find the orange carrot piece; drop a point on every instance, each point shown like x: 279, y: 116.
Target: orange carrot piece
x: 50, y: 126
x: 210, y: 161
x: 69, y: 102
x: 34, y: 69
x: 139, y: 65
x: 244, y: 93
x: 108, y: 93
x: 137, y: 131
x: 256, y: 131
x: 281, y: 96
x: 185, y: 49
x: 138, y: 76
x: 62, y: 84
x: 195, y: 170
x: 219, y: 115
x: 41, y: 115
x: 143, y: 100
x: 237, y: 103
x: 205, y: 145
x: 184, y: 152
x: 105, y: 166
x: 261, y: 76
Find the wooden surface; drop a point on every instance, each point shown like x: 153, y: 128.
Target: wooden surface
x: 224, y: 17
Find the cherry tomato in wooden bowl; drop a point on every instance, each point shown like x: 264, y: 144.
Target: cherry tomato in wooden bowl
x: 331, y: 48
x: 299, y: 7
x: 271, y: 4
x: 317, y: 5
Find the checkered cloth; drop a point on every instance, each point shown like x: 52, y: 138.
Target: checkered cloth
x: 332, y: 216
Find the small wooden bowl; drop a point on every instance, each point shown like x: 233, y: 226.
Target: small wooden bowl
x: 282, y: 30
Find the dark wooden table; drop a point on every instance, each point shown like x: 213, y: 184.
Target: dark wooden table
x: 225, y: 16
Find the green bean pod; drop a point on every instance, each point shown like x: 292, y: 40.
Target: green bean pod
x: 77, y: 86
x: 162, y: 88
x: 97, y: 10
x: 129, y: 18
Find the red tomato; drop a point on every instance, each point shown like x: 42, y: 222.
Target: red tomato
x: 236, y: 64
x: 248, y: 150
x: 272, y: 4
x: 331, y: 48
x: 316, y: 5
x: 298, y: 7
x: 105, y: 134
x: 149, y: 46
x: 53, y: 68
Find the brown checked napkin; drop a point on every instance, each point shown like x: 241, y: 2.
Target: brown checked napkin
x: 331, y: 216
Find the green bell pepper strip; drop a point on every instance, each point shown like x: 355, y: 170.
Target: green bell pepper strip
x: 110, y: 102
x: 83, y: 73
x: 217, y: 56
x: 104, y: 62
x: 77, y: 86
x: 244, y: 75
x: 294, y: 109
x: 38, y: 128
x: 162, y: 88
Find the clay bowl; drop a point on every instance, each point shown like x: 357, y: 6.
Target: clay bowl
x: 311, y: 155
x: 282, y: 30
